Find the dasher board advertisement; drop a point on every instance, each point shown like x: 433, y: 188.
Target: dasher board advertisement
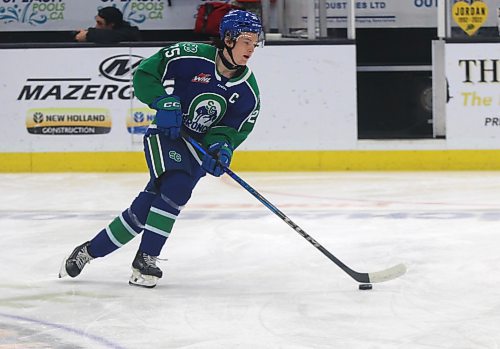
x: 82, y: 99
x: 473, y: 110
x: 378, y: 13
x: 70, y: 99
x: 69, y: 15
x: 39, y: 15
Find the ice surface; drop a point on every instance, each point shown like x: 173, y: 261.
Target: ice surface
x: 238, y: 277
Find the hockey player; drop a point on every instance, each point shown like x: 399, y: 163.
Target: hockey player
x: 215, y: 101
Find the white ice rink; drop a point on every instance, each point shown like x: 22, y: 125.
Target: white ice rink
x: 238, y: 277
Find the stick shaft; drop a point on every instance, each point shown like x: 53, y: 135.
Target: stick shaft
x: 359, y: 277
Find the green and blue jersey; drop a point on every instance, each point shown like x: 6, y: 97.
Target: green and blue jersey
x: 214, y: 107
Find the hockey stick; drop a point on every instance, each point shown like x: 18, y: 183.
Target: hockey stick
x: 374, y: 277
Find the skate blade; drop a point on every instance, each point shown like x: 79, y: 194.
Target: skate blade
x: 140, y: 280
x: 62, y: 270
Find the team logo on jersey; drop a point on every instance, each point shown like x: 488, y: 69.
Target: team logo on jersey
x: 190, y: 47
x: 204, y: 111
x: 202, y: 77
x: 175, y: 156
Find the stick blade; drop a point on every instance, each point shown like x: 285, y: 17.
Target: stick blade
x: 388, y: 274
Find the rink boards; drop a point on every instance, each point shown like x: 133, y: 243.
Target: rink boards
x: 77, y: 112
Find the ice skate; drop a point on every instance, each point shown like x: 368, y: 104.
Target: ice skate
x: 73, y: 265
x: 145, y: 273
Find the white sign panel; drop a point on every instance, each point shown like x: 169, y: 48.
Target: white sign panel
x: 81, y: 99
x: 77, y: 99
x: 473, y: 112
x: 308, y: 98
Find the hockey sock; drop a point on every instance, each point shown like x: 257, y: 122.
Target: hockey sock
x: 176, y: 188
x: 124, y: 227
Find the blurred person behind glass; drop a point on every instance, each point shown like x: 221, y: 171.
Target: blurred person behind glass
x: 110, y: 27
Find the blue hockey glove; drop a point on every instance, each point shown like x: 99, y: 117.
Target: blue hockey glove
x: 217, y: 157
x: 168, y: 115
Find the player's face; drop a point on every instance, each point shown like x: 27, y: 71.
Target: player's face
x: 244, y: 47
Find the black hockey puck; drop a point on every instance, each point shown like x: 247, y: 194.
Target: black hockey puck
x: 365, y: 286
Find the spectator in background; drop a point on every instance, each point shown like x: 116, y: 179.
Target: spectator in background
x: 109, y: 27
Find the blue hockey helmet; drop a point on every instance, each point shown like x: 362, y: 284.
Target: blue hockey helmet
x: 238, y: 21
